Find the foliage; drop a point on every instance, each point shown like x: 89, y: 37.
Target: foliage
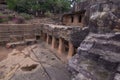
x: 12, y: 3
x: 26, y: 16
x: 52, y: 6
x: 3, y: 18
x: 48, y: 14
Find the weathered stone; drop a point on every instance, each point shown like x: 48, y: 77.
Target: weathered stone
x: 74, y: 34
x: 35, y: 62
x: 117, y: 77
x: 12, y: 33
x: 100, y: 15
x: 118, y: 69
x: 97, y: 57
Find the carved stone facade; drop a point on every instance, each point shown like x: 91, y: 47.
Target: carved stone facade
x: 98, y: 56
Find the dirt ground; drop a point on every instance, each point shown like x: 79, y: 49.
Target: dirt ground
x: 33, y: 62
x: 4, y: 52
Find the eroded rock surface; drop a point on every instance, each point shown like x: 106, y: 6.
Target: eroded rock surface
x: 35, y: 62
x: 101, y: 15
x: 98, y: 58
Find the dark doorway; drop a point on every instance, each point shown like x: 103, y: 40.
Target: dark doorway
x: 45, y: 36
x: 37, y: 37
x: 66, y: 45
x: 72, y: 19
x: 80, y: 18
x: 50, y: 39
x: 57, y: 43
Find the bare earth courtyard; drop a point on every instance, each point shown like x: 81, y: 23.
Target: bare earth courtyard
x: 4, y: 52
x: 35, y: 62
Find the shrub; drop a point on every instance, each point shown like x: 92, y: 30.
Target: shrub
x: 10, y: 17
x: 18, y: 20
x: 3, y: 19
x: 26, y: 16
x: 48, y: 14
x: 12, y: 3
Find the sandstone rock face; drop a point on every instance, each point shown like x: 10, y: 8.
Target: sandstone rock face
x: 15, y: 32
x: 101, y: 15
x: 73, y: 34
x: 98, y: 58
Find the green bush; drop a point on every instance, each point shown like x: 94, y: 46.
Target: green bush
x: 3, y: 19
x: 26, y: 16
x: 10, y: 17
x: 12, y: 3
x: 48, y: 14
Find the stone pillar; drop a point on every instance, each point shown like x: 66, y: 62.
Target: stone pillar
x: 53, y: 42
x: 61, y: 46
x: 76, y: 19
x: 41, y: 36
x: 44, y: 37
x: 71, y: 50
x: 47, y: 39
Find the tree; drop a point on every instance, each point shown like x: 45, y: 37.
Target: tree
x: 53, y: 6
x: 12, y: 3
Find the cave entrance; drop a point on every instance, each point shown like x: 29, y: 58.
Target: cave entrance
x: 37, y: 37
x: 50, y: 39
x: 45, y: 36
x: 66, y: 46
x: 57, y: 43
x: 81, y: 16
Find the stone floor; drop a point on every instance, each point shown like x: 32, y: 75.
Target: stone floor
x: 36, y: 62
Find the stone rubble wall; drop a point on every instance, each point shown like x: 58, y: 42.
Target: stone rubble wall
x: 9, y: 32
x: 15, y: 32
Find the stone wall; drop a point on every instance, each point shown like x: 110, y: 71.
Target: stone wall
x: 14, y: 32
x: 72, y: 20
x: 69, y: 33
x: 17, y: 32
x: 63, y: 38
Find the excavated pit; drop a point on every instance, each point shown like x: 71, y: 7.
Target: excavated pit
x: 53, y: 45
x: 64, y: 39
x: 29, y: 68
